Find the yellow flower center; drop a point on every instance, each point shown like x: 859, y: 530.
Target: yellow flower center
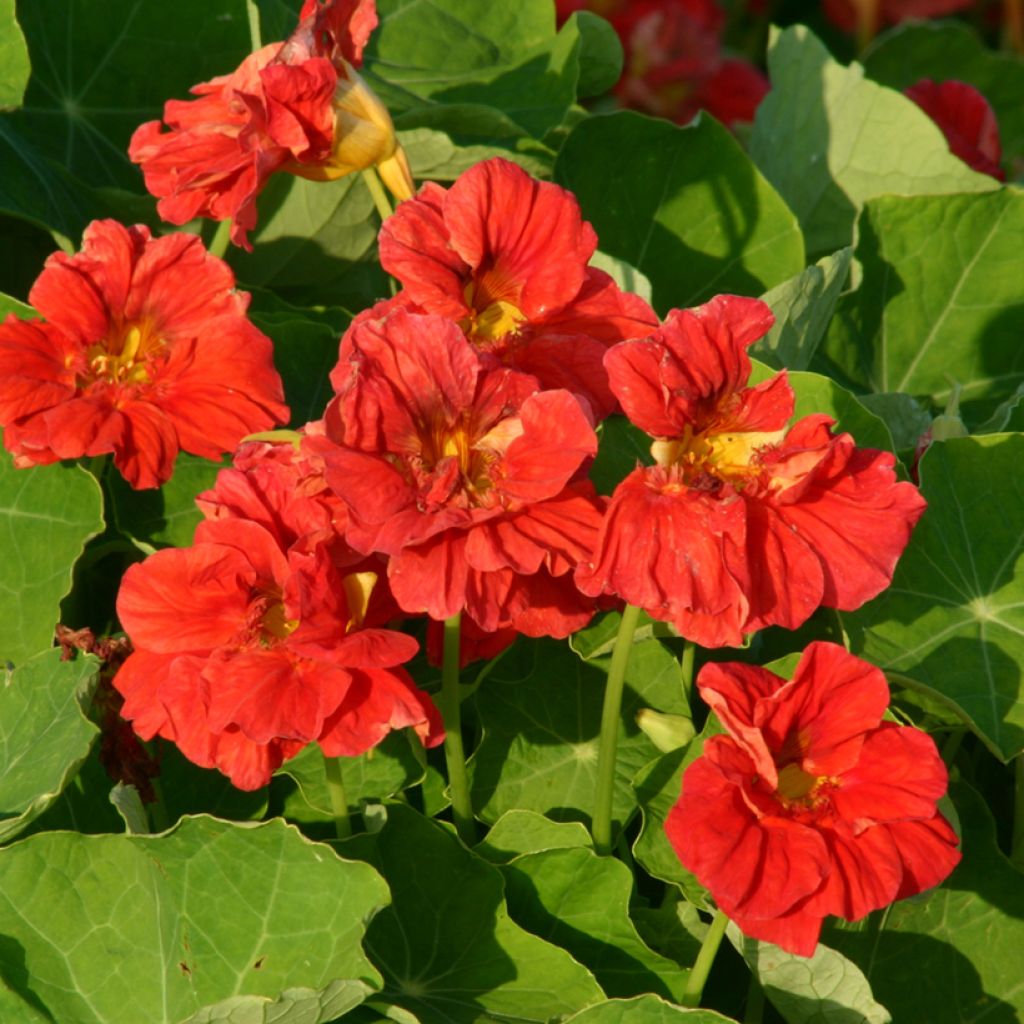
x: 795, y: 783
x: 489, y: 321
x: 705, y: 458
x: 275, y: 625
x: 122, y: 358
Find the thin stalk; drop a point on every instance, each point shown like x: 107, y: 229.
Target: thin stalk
x: 951, y: 747
x: 454, y: 753
x: 377, y: 190
x: 705, y: 958
x: 339, y: 802
x: 686, y: 668
x: 1014, y: 14
x: 601, y: 829
x: 221, y: 239
x: 254, y: 24
x: 868, y: 15
x: 1017, y: 849
x: 157, y: 811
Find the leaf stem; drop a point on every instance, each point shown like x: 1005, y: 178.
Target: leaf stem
x: 686, y: 668
x: 339, y: 802
x: 451, y: 712
x: 705, y: 958
x: 221, y: 239
x: 951, y: 747
x: 253, y: 11
x: 157, y: 810
x: 754, y: 1011
x: 601, y: 828
x: 380, y: 196
x: 1015, y: 24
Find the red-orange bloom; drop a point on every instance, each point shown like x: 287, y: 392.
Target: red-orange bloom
x: 145, y: 350
x: 967, y: 121
x: 811, y: 806
x: 505, y: 256
x: 254, y: 641
x: 461, y: 473
x: 674, y: 65
x: 741, y: 523
x: 297, y: 106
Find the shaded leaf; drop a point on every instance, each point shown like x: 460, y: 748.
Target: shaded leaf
x: 829, y: 140
x: 906, y: 418
x: 941, y: 301
x: 47, y: 513
x: 964, y: 937
x: 803, y: 307
x: 11, y: 305
x: 44, y: 734
x: 435, y: 156
x: 212, y: 921
x: 446, y: 947
x: 825, y: 988
x: 601, y: 54
x: 953, y: 620
x: 580, y: 901
x: 541, y: 725
x: 684, y: 206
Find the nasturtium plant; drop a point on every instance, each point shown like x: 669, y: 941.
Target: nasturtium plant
x: 496, y: 499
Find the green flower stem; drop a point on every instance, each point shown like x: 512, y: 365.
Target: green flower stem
x: 754, y: 1012
x: 451, y: 712
x: 221, y: 239
x: 158, y: 820
x: 686, y: 668
x: 339, y: 802
x: 254, y: 24
x: 380, y: 196
x: 602, y: 821
x: 705, y: 958
x: 952, y: 746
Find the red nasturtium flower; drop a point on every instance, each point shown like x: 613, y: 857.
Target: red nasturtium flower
x: 262, y: 637
x: 674, y: 64
x: 297, y: 106
x: 461, y: 474
x: 967, y: 121
x: 145, y: 350
x: 505, y: 256
x: 811, y: 806
x: 742, y: 523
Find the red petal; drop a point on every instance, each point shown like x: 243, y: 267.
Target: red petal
x: 431, y: 577
x: 928, y: 850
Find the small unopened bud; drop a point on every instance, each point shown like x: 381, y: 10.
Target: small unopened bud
x: 666, y: 732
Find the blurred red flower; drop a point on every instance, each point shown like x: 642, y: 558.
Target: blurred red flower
x: 967, y: 121
x: 297, y: 106
x: 461, y: 473
x: 145, y: 350
x: 259, y: 638
x: 505, y: 256
x: 811, y: 805
x: 674, y: 65
x: 742, y: 523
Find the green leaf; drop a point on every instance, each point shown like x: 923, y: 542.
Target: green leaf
x: 381, y: 772
x: 600, y: 54
x: 829, y: 140
x: 953, y: 620
x: 825, y: 988
x: 167, y: 517
x: 580, y: 901
x: 454, y: 52
x: 941, y: 50
x: 816, y: 393
x: 44, y: 734
x: 211, y: 921
x: 315, y: 242
x: 964, y: 938
x: 47, y: 513
x: 649, y: 1009
x: 906, y: 418
x: 941, y: 299
x: 14, y: 64
x: 517, y: 832
x: 628, y: 278
x: 188, y: 789
x: 446, y: 947
x: 621, y: 447
x: 541, y: 725
x: 685, y: 206
x: 128, y: 803
x: 96, y: 76
x: 434, y: 155
x: 11, y: 305
x: 803, y: 307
